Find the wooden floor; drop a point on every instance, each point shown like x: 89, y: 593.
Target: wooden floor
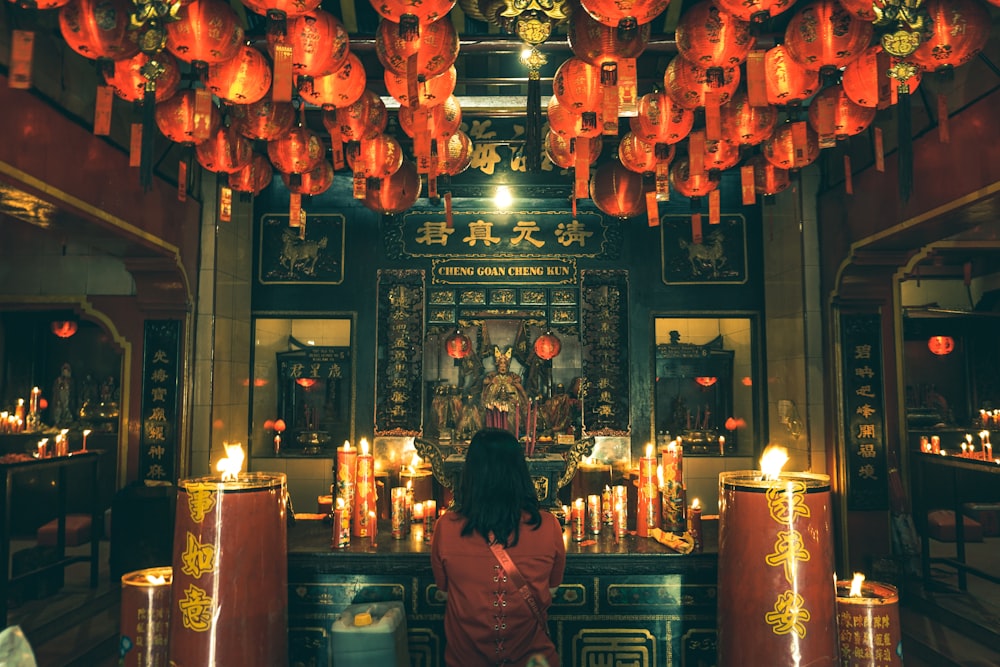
x: 78, y: 626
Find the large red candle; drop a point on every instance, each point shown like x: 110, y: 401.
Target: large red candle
x: 145, y: 617
x: 648, y: 502
x: 347, y: 462
x: 868, y: 620
x: 776, y: 586
x: 364, y: 497
x: 672, y: 457
x: 230, y: 567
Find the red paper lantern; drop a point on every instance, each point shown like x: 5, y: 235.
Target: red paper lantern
x: 279, y: 425
x: 430, y: 92
x: 265, y: 120
x: 297, y: 151
x: 457, y: 345
x: 44, y: 4
x: 454, y: 154
x: 787, y: 82
x: 547, y: 346
x: 559, y: 149
x: 660, y: 120
x: 959, y: 30
x: 625, y: 16
x: 688, y: 84
x: 719, y: 155
x: 254, y: 177
x: 596, y: 43
x: 860, y: 8
x: 745, y: 125
x: 755, y: 11
x: 129, y: 83
x: 781, y: 149
x: 225, y: 152
x: 412, y: 15
x: 768, y: 179
x: 281, y: 9
x: 941, y: 345
x: 175, y: 117
x: 314, y: 182
x: 243, y: 79
x: 99, y: 28
x: 206, y: 32
x: 642, y: 157
x: 64, y: 328
x: 706, y: 380
x: 861, y: 78
x: 618, y: 192
x: 364, y: 119
x: 341, y: 89
x: 397, y: 192
x: 305, y: 383
x: 849, y: 118
x: 319, y: 42
x: 688, y: 184
x: 379, y: 157
x: 570, y: 124
x: 436, y: 49
x: 577, y: 86
x: 824, y: 35
x: 712, y: 38
x: 443, y: 120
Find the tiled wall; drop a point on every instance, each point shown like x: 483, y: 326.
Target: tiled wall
x: 221, y: 394
x: 793, y: 323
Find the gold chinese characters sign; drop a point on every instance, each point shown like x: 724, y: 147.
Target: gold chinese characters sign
x: 159, y: 439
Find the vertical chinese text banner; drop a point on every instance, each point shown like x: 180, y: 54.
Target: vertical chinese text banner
x: 160, y: 366
x: 864, y: 414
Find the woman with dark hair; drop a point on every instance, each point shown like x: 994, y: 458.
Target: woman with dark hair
x: 499, y: 558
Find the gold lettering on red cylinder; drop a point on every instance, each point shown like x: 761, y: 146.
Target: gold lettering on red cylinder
x: 201, y: 500
x: 197, y: 558
x: 788, y: 615
x: 196, y: 609
x: 785, y: 505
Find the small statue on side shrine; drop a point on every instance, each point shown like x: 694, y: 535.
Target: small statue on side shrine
x: 63, y: 397
x: 556, y: 411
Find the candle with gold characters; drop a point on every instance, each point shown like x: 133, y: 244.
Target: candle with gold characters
x: 694, y: 525
x: 430, y: 516
x: 868, y: 623
x: 230, y: 568
x: 341, y: 525
x: 672, y: 491
x: 364, y: 496
x: 145, y: 617
x: 594, y: 514
x: 577, y: 520
x: 347, y: 466
x: 648, y: 498
x: 776, y: 581
x: 400, y: 513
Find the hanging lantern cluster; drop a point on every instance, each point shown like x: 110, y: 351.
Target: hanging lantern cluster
x: 723, y: 103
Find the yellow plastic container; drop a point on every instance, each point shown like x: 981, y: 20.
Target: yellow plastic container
x: 371, y: 634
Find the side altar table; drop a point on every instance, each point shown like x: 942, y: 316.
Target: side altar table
x: 627, y: 602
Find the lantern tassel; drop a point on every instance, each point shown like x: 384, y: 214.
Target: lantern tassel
x: 148, y: 133
x: 905, y: 139
x: 533, y: 126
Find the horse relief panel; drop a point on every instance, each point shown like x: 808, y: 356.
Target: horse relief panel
x: 287, y: 257
x: 696, y: 252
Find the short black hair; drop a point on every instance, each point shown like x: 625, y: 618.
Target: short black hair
x: 496, y: 487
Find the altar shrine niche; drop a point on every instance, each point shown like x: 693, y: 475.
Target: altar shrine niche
x: 314, y: 397
x: 694, y: 395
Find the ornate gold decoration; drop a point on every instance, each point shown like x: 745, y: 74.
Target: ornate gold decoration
x: 902, y: 71
x: 580, y: 449
x: 911, y: 21
x: 534, y: 60
x: 150, y: 18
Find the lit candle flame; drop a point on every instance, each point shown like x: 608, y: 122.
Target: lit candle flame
x: 340, y: 503
x: 649, y: 450
x: 364, y: 447
x: 86, y: 431
x: 156, y: 579
x: 968, y: 438
x: 672, y: 447
x: 231, y: 464
x: 415, y: 461
x: 347, y: 445
x: 696, y: 504
x: 772, y: 460
x: 856, y: 585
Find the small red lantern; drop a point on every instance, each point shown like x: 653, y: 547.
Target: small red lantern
x: 436, y: 49
x: 397, y: 192
x: 129, y: 83
x: 712, y: 38
x: 454, y: 154
x: 265, y: 120
x: 99, y: 28
x: 755, y: 11
x: 718, y: 155
x: 767, y: 179
x: 745, y: 125
x: 364, y: 119
x: 618, y: 192
x: 577, y: 85
x: 412, y: 14
x: 597, y: 43
x: 862, y: 78
x: 305, y: 383
x: 571, y: 124
x: 457, y: 345
x: 342, y: 88
x: 824, y: 35
x: 959, y: 29
x: 443, y: 120
x: 298, y: 151
x: 783, y: 149
x: 689, y: 84
x: 319, y: 42
x: 626, y: 16
x: 225, y: 152
x: 691, y: 185
x: 941, y: 345
x: 314, y: 182
x: 660, y: 120
x: 559, y: 149
x: 434, y: 90
x: 279, y: 425
x: 787, y: 82
x: 254, y: 177
x: 243, y: 79
x: 548, y: 346
x: 64, y: 328
x: 176, y: 118
x: 281, y: 8
x: 642, y: 157
x: 207, y: 31
x: 848, y: 118
x: 706, y: 380
x: 377, y: 158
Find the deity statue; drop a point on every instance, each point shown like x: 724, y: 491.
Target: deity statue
x: 470, y: 419
x: 62, y: 397
x: 557, y: 411
x: 502, y: 388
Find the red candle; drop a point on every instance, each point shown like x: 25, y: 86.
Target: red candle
x: 347, y: 461
x: 694, y: 524
x: 430, y: 516
x: 868, y: 623
x: 145, y: 616
x: 341, y: 525
x: 35, y: 395
x: 672, y: 457
x: 400, y: 513
x: 935, y: 444
x: 594, y: 513
x: 776, y: 593
x: 364, y: 497
x: 607, y: 507
x: 648, y: 501
x: 372, y: 528
x: 577, y: 520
